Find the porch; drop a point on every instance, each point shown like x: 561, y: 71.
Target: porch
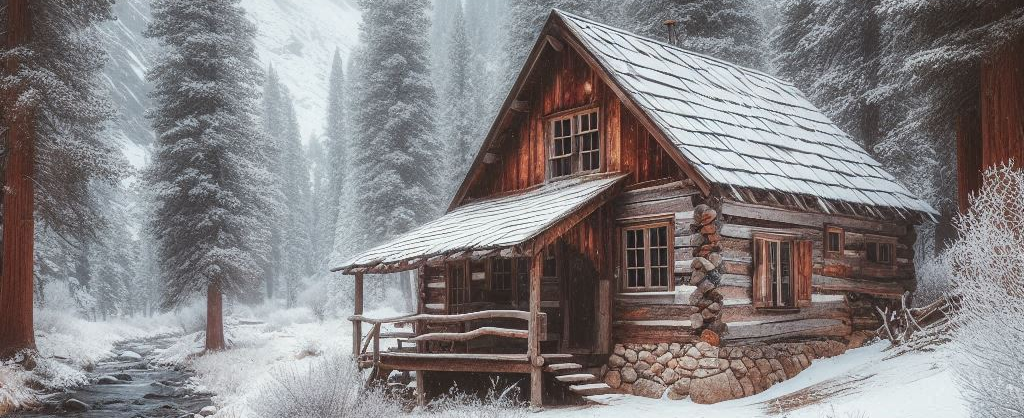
x: 514, y: 284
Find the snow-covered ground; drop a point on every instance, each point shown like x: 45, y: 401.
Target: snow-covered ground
x: 264, y: 342
x: 858, y: 384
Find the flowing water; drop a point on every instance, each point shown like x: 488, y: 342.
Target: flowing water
x: 129, y: 387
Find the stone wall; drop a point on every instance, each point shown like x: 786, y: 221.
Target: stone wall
x: 710, y: 374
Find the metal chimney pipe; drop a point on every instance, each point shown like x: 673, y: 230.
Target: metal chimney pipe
x: 671, y: 25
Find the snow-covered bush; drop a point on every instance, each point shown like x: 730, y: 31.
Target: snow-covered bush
x: 988, y: 271
x: 502, y: 401
x: 934, y: 277
x: 326, y: 387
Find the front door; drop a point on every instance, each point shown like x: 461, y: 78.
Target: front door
x: 579, y: 299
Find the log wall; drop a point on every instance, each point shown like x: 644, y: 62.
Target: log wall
x: 845, y: 288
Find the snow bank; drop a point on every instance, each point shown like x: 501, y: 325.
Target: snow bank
x: 856, y: 384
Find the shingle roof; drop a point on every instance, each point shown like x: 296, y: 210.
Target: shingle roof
x: 491, y: 224
x: 740, y: 127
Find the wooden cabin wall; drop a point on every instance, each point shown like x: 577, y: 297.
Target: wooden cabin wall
x: 845, y: 287
x: 563, y: 82
x: 654, y: 317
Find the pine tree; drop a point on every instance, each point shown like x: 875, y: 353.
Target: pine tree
x: 207, y: 166
x: 292, y: 227
x: 727, y: 29
x: 459, y: 117
x: 338, y: 162
x: 53, y: 116
x: 396, y: 154
x: 832, y: 51
x: 526, y: 18
x: 933, y: 53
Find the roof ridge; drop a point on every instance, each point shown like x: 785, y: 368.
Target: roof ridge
x: 675, y: 47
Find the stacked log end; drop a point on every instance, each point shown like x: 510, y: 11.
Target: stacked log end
x: 707, y: 275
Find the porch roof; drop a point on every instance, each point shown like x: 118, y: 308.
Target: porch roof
x: 508, y: 225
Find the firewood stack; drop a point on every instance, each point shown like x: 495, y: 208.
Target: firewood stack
x: 707, y: 274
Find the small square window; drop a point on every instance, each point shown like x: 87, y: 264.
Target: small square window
x: 647, y: 257
x: 835, y: 241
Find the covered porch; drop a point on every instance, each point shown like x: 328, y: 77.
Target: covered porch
x: 512, y: 284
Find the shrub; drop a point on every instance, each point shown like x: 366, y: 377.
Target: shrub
x: 988, y: 271
x: 327, y: 387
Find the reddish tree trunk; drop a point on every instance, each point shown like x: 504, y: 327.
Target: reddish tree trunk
x: 16, y: 331
x: 214, y: 318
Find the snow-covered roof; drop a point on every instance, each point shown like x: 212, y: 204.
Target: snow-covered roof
x: 493, y: 224
x: 740, y: 128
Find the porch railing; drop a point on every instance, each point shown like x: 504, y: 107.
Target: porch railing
x: 367, y: 348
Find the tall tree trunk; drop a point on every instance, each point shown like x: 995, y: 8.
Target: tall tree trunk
x: 214, y: 318
x: 16, y: 331
x: 870, y: 120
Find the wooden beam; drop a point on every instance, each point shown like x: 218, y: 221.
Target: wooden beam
x: 533, y: 343
x: 604, y: 315
x: 476, y: 333
x: 357, y: 326
x: 474, y: 363
x: 812, y: 219
x: 520, y: 106
x: 557, y: 45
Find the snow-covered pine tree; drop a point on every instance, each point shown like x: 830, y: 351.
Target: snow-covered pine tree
x: 728, y: 29
x: 442, y: 23
x: 54, y: 113
x: 935, y: 60
x: 292, y: 172
x: 337, y: 143
x: 526, y: 18
x: 207, y: 168
x: 483, y: 26
x: 274, y: 124
x: 459, y: 118
x: 396, y: 155
x: 112, y: 259
x: 321, y: 223
x: 832, y: 51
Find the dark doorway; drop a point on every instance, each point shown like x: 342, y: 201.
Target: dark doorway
x: 579, y: 290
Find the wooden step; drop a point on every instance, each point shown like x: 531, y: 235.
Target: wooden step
x: 591, y: 389
x: 563, y: 368
x: 577, y: 378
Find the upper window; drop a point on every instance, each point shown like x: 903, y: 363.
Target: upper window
x: 575, y: 144
x: 835, y: 241
x: 647, y: 257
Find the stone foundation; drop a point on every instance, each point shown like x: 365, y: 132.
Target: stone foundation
x: 709, y: 374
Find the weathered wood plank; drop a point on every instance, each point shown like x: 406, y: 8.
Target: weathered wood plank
x: 876, y: 288
x: 748, y: 332
x: 650, y: 312
x: 752, y: 211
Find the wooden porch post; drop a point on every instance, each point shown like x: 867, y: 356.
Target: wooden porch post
x: 421, y: 390
x: 533, y: 352
x: 357, y: 326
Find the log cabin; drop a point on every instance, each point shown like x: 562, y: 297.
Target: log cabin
x: 644, y: 219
